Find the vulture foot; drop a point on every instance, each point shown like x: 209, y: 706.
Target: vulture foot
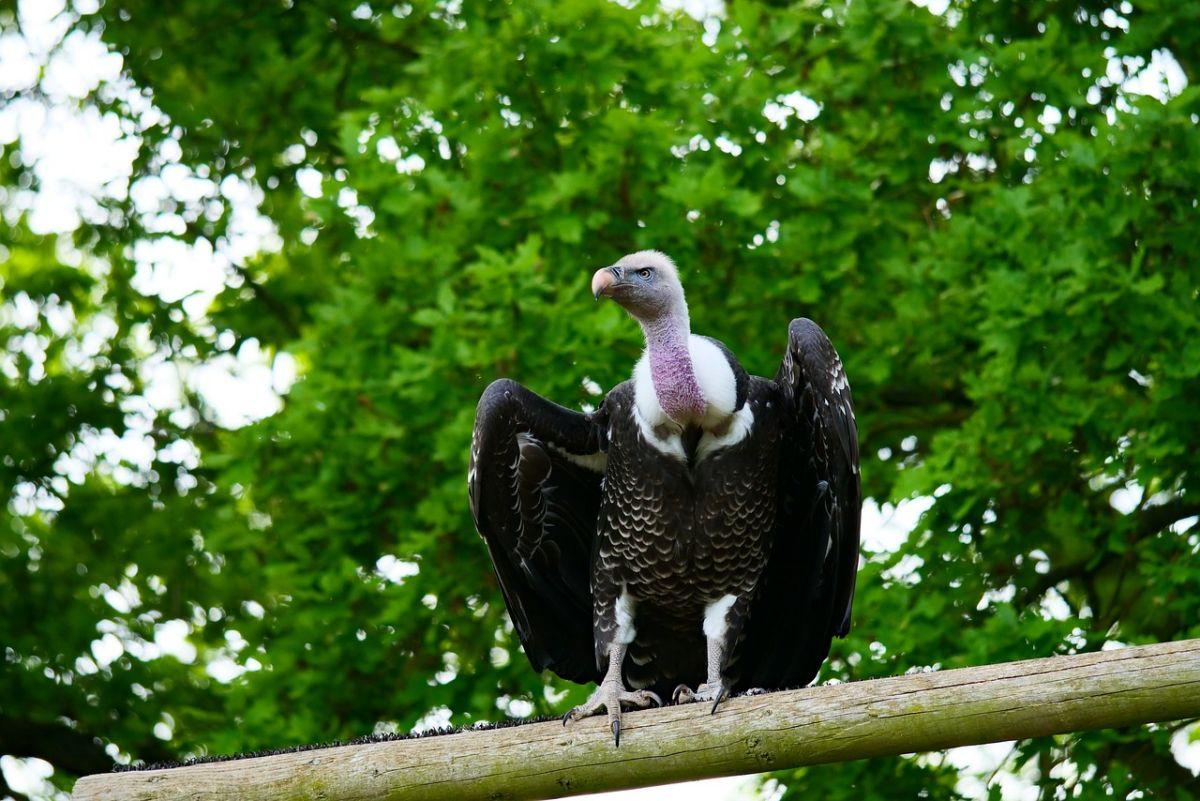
x: 709, y: 691
x: 609, y: 697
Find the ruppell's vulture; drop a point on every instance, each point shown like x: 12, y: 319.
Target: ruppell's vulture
x: 698, y: 530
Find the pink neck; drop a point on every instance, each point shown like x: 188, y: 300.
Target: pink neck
x: 671, y: 368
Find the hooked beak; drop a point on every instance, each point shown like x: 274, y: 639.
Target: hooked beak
x: 602, y: 281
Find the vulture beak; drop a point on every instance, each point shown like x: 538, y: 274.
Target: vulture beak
x: 603, y: 280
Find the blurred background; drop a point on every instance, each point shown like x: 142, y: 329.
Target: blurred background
x: 258, y: 261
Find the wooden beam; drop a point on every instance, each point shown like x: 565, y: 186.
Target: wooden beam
x: 905, y: 714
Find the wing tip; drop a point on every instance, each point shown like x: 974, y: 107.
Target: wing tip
x: 804, y: 326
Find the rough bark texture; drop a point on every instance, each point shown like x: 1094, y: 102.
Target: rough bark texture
x: 920, y: 712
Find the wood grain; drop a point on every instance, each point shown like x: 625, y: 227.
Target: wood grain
x: 905, y: 714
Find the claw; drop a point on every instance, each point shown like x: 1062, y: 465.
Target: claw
x: 722, y: 694
x: 566, y: 717
x: 705, y: 692
x: 610, y: 697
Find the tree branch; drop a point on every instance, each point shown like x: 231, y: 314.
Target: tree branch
x: 1154, y: 519
x: 273, y: 304
x: 751, y: 734
x: 68, y: 750
x: 1156, y: 769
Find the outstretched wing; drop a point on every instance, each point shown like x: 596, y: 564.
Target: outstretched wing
x: 534, y: 482
x: 808, y: 587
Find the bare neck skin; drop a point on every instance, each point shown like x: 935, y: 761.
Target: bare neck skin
x: 671, y: 367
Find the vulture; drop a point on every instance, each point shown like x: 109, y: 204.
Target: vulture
x: 694, y: 536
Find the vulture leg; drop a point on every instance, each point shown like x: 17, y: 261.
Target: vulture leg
x: 611, y: 694
x: 723, y: 620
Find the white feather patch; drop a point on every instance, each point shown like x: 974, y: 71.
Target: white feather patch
x: 474, y: 458
x: 713, y: 375
x: 597, y: 461
x: 739, y: 428
x: 716, y: 379
x: 625, y: 611
x: 649, y: 415
x: 715, y: 623
x: 644, y: 396
x: 670, y: 445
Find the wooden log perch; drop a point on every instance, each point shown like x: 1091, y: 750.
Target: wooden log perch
x: 905, y: 714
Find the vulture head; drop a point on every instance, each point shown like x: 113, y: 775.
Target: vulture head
x: 646, y: 284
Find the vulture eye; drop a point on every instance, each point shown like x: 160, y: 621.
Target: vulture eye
x: 645, y: 272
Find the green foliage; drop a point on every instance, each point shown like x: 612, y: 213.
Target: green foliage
x: 1022, y: 337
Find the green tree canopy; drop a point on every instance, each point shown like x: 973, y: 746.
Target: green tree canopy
x: 997, y: 230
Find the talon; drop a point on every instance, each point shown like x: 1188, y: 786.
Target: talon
x: 722, y: 694
x: 612, y: 698
x: 681, y: 691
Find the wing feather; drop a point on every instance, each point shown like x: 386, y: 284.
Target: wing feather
x: 535, y: 497
x: 806, y: 595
